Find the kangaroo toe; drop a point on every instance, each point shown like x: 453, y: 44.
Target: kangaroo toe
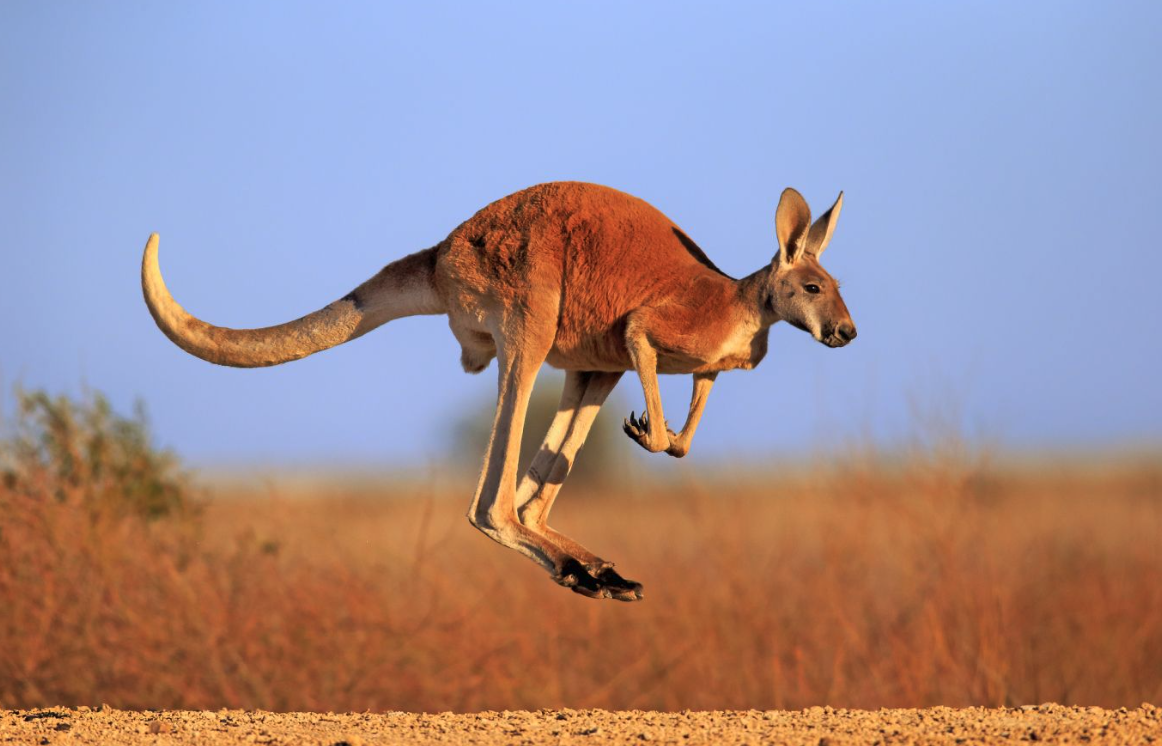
x: 576, y: 578
x: 619, y: 588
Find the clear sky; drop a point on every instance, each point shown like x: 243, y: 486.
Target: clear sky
x: 999, y: 244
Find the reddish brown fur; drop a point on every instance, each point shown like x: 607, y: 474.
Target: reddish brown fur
x: 586, y: 258
x: 583, y: 277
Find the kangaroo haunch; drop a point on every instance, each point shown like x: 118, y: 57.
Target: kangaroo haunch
x: 587, y: 279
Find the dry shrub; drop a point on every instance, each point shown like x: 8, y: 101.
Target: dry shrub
x: 86, y: 454
x: 864, y: 582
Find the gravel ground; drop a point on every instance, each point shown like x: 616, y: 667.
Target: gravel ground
x: 818, y: 726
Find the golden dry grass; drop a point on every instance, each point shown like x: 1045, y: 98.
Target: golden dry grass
x: 857, y: 582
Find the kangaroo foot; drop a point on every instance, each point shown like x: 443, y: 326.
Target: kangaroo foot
x: 618, y: 587
x: 576, y: 578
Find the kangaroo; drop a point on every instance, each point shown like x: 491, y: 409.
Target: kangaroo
x: 588, y: 279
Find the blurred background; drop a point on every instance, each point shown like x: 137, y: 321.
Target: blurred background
x: 963, y: 507
x: 996, y: 247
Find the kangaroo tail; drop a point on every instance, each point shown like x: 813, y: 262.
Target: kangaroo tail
x: 402, y: 288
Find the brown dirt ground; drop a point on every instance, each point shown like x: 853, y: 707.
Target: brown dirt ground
x: 817, y: 726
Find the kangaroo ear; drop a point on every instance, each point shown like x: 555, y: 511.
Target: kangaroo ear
x: 820, y: 233
x: 792, y: 224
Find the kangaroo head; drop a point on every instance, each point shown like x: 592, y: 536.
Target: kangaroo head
x: 799, y: 290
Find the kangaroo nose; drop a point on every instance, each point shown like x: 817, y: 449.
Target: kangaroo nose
x: 847, y: 331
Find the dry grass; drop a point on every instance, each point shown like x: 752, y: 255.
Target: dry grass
x: 928, y: 580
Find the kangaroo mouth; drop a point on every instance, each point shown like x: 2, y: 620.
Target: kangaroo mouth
x: 836, y: 335
x: 828, y: 336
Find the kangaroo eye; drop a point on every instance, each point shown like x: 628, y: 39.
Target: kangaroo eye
x: 811, y: 288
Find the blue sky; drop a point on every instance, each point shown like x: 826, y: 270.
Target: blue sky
x: 998, y: 244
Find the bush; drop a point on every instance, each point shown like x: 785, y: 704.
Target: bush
x: 917, y: 580
x: 86, y: 453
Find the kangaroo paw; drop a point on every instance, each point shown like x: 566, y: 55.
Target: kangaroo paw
x: 638, y: 429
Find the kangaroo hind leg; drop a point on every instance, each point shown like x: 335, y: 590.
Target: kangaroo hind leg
x: 493, y: 508
x: 581, y: 400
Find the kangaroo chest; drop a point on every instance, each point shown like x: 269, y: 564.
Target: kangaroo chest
x: 741, y: 348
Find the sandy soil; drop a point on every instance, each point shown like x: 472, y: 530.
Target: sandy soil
x: 818, y: 726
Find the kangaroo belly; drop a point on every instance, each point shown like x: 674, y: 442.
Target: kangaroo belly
x: 601, y: 350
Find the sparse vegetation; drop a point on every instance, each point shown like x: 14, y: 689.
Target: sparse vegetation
x: 932, y: 580
x: 87, y: 454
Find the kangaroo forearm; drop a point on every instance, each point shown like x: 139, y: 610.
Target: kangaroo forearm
x: 650, y: 432
x: 680, y: 443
